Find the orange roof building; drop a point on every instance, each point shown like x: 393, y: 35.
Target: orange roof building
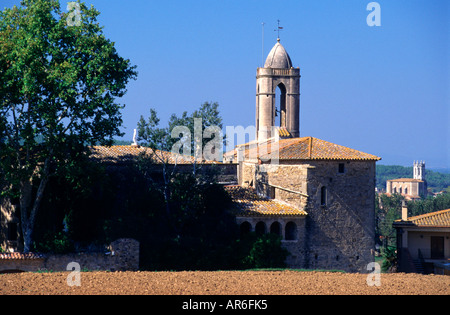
x: 423, y: 242
x: 298, y: 149
x: 317, y: 195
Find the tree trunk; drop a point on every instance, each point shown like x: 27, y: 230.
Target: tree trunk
x: 25, y: 201
x: 28, y: 218
x: 166, y: 190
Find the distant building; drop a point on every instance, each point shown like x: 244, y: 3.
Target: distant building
x: 410, y: 188
x: 423, y: 243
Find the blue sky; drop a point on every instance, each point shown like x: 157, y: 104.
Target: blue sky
x: 383, y: 90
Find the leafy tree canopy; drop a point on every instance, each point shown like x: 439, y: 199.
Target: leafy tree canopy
x: 60, y: 82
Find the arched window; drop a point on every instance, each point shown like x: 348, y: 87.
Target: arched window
x: 275, y: 228
x: 245, y: 228
x: 290, y: 231
x: 323, y: 196
x: 280, y: 104
x: 406, y: 190
x: 260, y: 228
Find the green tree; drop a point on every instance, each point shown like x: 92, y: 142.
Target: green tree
x: 150, y: 135
x: 60, y: 82
x: 205, y: 126
x: 388, y: 209
x: 430, y: 204
x: 183, y: 136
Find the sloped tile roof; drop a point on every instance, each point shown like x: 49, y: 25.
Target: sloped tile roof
x: 130, y: 153
x: 248, y: 203
x: 21, y: 256
x: 406, y: 180
x: 433, y: 219
x: 305, y: 148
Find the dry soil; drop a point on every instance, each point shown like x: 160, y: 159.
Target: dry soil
x: 222, y: 283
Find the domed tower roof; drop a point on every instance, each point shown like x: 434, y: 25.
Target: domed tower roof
x: 278, y: 58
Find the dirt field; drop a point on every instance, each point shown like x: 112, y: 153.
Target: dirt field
x: 221, y: 283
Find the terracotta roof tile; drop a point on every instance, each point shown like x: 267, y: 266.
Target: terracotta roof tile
x: 130, y: 153
x: 406, y: 180
x: 284, y: 133
x: 21, y: 256
x: 248, y: 203
x: 306, y: 148
x: 433, y: 219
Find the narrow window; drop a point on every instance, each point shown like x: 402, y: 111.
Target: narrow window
x: 272, y: 193
x: 341, y: 168
x: 323, y: 196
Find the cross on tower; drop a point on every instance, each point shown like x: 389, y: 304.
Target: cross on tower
x: 280, y: 28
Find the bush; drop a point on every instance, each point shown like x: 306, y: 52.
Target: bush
x: 265, y: 252
x: 58, y: 243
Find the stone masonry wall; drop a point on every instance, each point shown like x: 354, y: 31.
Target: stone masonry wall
x: 123, y: 255
x: 338, y: 234
x: 283, y: 182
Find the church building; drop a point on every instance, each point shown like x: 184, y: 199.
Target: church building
x: 317, y: 195
x: 411, y: 188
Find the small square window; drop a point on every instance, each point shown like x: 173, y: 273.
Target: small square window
x: 341, y: 168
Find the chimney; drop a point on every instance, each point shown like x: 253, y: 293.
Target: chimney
x: 240, y: 154
x: 404, y: 211
x: 134, y: 144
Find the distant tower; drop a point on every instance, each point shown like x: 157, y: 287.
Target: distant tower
x: 419, y: 170
x: 278, y: 72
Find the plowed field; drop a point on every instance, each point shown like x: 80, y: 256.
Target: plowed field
x: 221, y: 283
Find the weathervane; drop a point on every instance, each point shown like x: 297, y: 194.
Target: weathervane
x: 280, y: 28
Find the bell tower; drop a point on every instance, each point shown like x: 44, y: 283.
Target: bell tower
x: 278, y: 73
x: 419, y: 170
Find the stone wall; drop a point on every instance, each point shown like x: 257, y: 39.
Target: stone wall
x: 340, y: 234
x: 339, y: 229
x: 122, y: 255
x: 286, y: 182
